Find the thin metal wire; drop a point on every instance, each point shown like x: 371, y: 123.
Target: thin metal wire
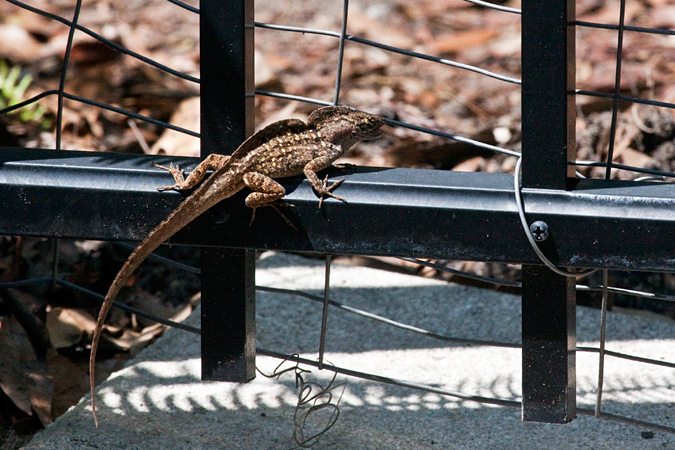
x: 471, y: 276
x: 168, y: 261
x: 475, y: 398
x: 298, y: 98
x: 616, y: 290
x: 397, y: 123
x: 601, y: 356
x: 626, y: 98
x: 29, y: 101
x: 26, y: 282
x: 617, y: 166
x: 324, y: 313
x: 32, y: 281
x: 454, y: 137
x: 341, y: 54
x: 528, y: 233
x: 131, y: 114
x: 628, y: 357
x: 495, y: 281
x: 617, y: 91
x: 392, y: 49
x: 131, y: 309
x: 493, y: 6
x: 435, y: 390
x: 628, y: 420
x: 107, y: 42
x: 386, y: 321
x: 606, y: 26
x: 64, y: 71
x: 608, y: 174
x: 102, y: 106
x: 392, y: 381
x: 185, y: 6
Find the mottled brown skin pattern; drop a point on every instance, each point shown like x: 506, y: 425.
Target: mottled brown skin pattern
x: 283, y: 149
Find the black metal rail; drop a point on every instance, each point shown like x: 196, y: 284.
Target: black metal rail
x: 394, y: 212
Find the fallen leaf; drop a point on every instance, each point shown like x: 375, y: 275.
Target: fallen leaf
x: 456, y: 42
x: 23, y: 377
x: 67, y: 327
x: 71, y: 382
x: 376, y: 30
x: 470, y: 165
x: 92, y: 52
x: 635, y: 158
x: 175, y: 143
x: 18, y: 45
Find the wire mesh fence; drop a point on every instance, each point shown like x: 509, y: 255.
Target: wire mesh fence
x: 608, y: 166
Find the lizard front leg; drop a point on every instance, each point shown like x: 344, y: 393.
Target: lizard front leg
x: 322, y: 189
x: 213, y: 161
x: 266, y: 192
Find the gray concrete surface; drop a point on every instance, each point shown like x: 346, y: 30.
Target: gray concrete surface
x: 159, y: 402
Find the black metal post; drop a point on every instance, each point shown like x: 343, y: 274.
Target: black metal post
x: 549, y: 329
x: 228, y: 276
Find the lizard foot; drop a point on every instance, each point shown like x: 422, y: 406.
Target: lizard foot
x: 326, y: 190
x: 178, y: 176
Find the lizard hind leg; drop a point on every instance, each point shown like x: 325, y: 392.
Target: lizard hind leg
x: 266, y: 192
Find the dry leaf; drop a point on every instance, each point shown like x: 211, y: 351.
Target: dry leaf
x: 18, y: 45
x: 23, y: 377
x: 92, y: 52
x: 457, y: 42
x: 376, y: 30
x: 635, y: 158
x: 470, y: 165
x: 67, y: 327
x: 610, y: 13
x: 71, y: 382
x: 175, y: 143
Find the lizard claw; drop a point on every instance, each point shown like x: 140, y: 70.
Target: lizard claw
x: 326, y: 190
x: 177, y: 173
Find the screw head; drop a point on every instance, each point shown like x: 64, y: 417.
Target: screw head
x: 539, y: 230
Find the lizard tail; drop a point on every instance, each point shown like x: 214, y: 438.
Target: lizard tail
x: 186, y: 212
x: 134, y: 260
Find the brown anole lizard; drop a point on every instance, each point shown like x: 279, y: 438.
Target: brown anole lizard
x: 283, y: 149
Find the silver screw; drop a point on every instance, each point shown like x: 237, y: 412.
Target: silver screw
x: 539, y: 230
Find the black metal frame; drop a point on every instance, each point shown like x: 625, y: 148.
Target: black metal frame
x: 549, y: 299
x: 465, y: 216
x: 228, y: 275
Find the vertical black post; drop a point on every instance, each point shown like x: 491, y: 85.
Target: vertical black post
x: 548, y: 100
x: 549, y: 342
x: 549, y: 329
x: 228, y: 276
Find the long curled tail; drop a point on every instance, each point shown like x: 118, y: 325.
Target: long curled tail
x: 135, y: 259
x: 207, y: 195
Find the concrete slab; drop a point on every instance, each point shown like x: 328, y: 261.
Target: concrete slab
x: 158, y: 401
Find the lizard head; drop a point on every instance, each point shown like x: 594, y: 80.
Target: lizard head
x: 345, y: 126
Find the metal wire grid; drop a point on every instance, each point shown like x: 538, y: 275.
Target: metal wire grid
x: 616, y: 96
